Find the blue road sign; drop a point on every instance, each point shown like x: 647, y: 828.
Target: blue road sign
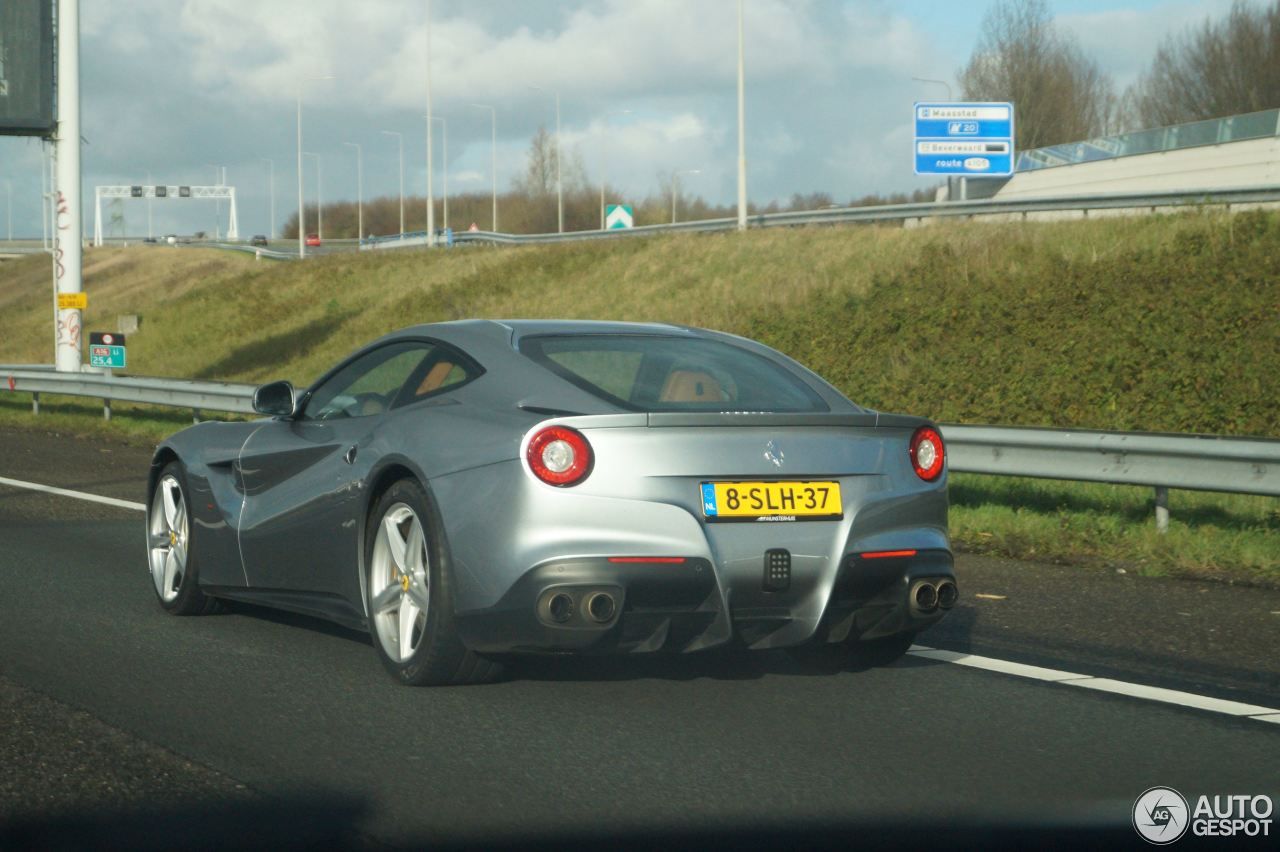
x: 955, y: 138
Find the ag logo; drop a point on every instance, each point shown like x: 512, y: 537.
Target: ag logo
x: 1160, y: 815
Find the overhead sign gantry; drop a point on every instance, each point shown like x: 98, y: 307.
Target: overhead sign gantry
x: 216, y: 193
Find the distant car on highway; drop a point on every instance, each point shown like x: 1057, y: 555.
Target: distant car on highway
x: 313, y: 239
x: 171, y: 239
x: 258, y: 240
x: 471, y: 490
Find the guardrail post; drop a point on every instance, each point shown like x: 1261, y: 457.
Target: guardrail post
x: 106, y: 409
x: 1162, y: 509
x: 35, y: 402
x: 195, y: 415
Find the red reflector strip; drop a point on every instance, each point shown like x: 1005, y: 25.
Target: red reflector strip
x: 664, y: 560
x: 887, y: 554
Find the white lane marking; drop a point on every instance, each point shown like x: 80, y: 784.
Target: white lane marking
x: 1173, y: 696
x: 1103, y: 684
x: 79, y: 495
x: 1018, y: 669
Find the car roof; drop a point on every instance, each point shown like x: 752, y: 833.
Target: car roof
x: 464, y: 333
x: 494, y: 344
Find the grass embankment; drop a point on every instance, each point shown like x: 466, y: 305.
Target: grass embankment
x: 1157, y: 323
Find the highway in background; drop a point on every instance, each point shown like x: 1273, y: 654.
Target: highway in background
x: 257, y: 705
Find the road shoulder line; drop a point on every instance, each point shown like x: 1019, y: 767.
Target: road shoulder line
x: 1102, y: 684
x: 79, y: 495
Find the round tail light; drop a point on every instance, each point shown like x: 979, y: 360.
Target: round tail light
x: 927, y: 453
x: 559, y: 456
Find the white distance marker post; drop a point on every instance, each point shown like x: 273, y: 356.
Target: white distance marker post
x: 68, y: 236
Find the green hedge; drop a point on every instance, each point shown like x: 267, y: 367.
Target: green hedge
x: 1180, y: 335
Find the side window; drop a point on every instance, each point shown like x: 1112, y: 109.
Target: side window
x: 371, y: 383
x: 444, y: 368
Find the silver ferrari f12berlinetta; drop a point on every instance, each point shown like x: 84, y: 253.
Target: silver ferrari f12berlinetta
x: 471, y: 491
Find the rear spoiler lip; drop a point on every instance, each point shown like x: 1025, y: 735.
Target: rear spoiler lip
x: 870, y: 419
x: 633, y: 420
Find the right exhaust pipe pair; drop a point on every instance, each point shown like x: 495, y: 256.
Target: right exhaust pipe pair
x: 929, y: 595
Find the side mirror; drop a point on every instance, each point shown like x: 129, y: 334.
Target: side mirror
x: 275, y: 399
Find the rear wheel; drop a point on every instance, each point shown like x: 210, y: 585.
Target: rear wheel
x: 170, y: 554
x: 410, y: 595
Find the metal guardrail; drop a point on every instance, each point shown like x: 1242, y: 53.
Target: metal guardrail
x: 1159, y: 461
x: 257, y: 251
x: 178, y: 393
x: 1015, y: 207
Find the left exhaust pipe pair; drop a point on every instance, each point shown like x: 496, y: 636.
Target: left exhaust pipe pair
x: 560, y: 607
x: 929, y: 595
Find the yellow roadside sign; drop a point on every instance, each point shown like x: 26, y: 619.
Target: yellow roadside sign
x: 73, y: 301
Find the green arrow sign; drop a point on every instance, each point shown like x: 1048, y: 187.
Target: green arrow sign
x: 618, y: 216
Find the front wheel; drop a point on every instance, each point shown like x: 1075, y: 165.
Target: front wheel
x: 170, y: 555
x: 409, y: 595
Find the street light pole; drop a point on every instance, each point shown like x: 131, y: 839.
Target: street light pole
x: 559, y: 163
x: 68, y: 230
x: 675, y: 184
x: 302, y: 210
x: 493, y: 162
x: 319, y: 196
x: 444, y: 126
x: 359, y: 188
x: 271, y: 191
x: 742, y: 130
x: 604, y: 158
x: 8, y: 196
x: 400, y: 138
x: 150, y: 235
x: 431, y: 201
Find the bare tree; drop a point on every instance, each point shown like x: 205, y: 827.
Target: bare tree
x: 1226, y: 67
x: 539, y: 177
x: 1059, y: 94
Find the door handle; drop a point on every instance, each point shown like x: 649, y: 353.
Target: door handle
x: 350, y: 457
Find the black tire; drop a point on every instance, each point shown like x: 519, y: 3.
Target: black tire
x: 190, y: 600
x: 440, y: 658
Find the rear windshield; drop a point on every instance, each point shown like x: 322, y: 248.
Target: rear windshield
x: 656, y: 373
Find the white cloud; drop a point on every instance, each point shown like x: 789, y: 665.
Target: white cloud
x: 1125, y: 40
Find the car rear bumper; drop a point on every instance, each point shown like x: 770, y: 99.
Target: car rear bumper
x: 676, y: 604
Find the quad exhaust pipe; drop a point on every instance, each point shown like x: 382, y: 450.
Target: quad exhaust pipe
x: 929, y: 595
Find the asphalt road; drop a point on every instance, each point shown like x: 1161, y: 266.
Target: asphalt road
x: 109, y: 703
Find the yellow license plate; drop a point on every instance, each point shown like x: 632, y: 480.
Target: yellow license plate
x: 772, y: 501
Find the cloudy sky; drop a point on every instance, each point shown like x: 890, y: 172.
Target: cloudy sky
x: 173, y: 88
